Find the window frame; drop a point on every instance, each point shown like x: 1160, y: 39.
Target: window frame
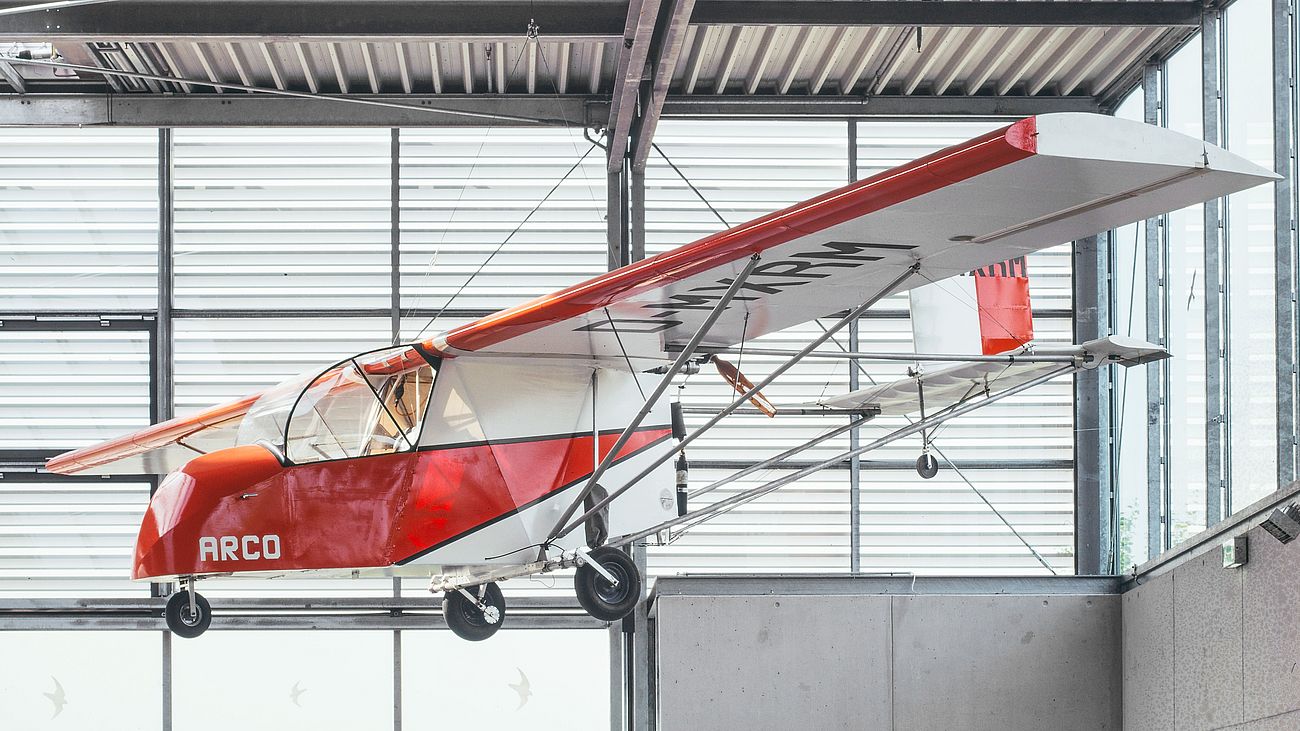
x: 412, y: 442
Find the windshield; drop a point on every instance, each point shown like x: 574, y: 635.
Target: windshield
x: 371, y: 404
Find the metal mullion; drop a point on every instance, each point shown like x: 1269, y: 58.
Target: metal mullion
x: 1214, y: 411
x: 1284, y: 215
x: 855, y: 432
x: 1154, y: 276
x: 395, y: 233
x: 1166, y: 427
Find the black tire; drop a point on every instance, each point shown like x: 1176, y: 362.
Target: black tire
x: 465, y: 619
x: 601, y: 599
x: 927, y: 466
x: 178, y: 616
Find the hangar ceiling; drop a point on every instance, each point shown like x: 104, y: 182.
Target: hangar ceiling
x: 611, y: 63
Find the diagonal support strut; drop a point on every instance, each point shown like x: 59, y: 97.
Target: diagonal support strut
x: 687, y: 353
x: 853, y: 314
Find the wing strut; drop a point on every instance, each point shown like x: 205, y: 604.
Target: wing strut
x: 743, y: 497
x: 687, y: 353
x: 854, y: 422
x: 853, y: 315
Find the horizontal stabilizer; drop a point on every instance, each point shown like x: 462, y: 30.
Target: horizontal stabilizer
x: 955, y: 384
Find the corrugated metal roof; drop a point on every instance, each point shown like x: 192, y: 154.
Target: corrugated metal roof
x: 715, y: 60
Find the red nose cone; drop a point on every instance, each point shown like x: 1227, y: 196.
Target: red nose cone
x: 167, y: 544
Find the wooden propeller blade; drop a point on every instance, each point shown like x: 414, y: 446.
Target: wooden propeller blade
x: 742, y: 385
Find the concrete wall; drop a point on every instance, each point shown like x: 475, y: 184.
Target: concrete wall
x: 1210, y: 648
x: 906, y: 656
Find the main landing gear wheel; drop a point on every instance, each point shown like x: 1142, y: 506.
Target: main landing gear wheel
x: 185, y: 621
x: 474, y: 619
x: 927, y: 466
x: 602, y: 599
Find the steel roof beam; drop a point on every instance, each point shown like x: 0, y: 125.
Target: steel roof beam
x: 560, y: 20
x: 667, y: 50
x: 301, y: 20
x: 249, y: 110
x: 642, y: 17
x: 999, y: 13
x: 209, y: 110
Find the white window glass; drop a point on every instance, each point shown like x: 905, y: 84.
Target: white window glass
x: 560, y: 680
x: 63, y: 390
x: 744, y: 170
x: 69, y: 538
x: 1186, y: 323
x: 78, y: 219
x: 340, y: 681
x: 1252, y: 355
x: 464, y: 192
x: 221, y: 359
x: 98, y: 680
x: 282, y: 218
x: 1130, y: 384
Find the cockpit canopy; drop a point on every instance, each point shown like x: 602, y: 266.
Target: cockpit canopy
x: 369, y: 404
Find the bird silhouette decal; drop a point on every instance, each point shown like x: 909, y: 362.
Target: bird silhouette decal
x: 522, y: 688
x: 296, y: 693
x: 58, y: 697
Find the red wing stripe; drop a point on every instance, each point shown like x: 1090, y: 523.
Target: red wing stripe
x: 945, y: 167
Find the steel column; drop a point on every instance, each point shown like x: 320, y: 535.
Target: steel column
x: 1214, y: 352
x: 637, y: 206
x: 397, y: 680
x: 1155, y: 277
x: 395, y: 232
x: 1093, y: 486
x: 167, y: 681
x: 616, y: 214
x: 639, y: 702
x: 855, y: 382
x: 1284, y: 232
x: 164, y: 388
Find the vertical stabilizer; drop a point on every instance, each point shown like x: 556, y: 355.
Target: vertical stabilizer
x: 984, y: 312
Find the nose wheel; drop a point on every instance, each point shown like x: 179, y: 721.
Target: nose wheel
x: 608, y: 584
x: 474, y: 613
x: 188, y: 614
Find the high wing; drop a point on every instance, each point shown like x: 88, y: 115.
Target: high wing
x: 956, y: 384
x: 1036, y: 183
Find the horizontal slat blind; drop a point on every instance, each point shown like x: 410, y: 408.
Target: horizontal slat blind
x: 466, y: 191
x: 269, y: 219
x: 69, y: 538
x: 65, y: 389
x: 78, y: 219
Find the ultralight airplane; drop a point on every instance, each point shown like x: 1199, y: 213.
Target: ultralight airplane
x: 474, y: 456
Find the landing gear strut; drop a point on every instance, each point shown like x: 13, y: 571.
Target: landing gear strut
x: 926, y: 465
x: 474, y: 613
x: 188, y: 613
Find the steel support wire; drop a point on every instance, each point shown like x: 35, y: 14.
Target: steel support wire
x: 757, y: 492
x: 744, y: 398
x: 283, y: 92
x: 664, y: 382
x: 966, y: 479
